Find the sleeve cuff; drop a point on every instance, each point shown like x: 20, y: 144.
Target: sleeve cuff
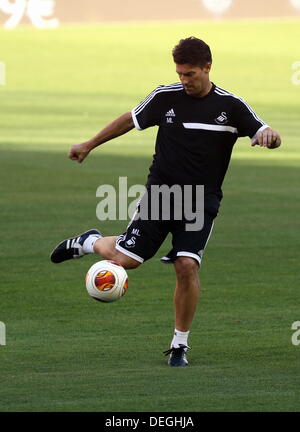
x: 135, y: 122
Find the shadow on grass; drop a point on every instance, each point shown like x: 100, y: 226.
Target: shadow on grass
x: 47, y: 191
x: 59, y: 339
x: 46, y: 197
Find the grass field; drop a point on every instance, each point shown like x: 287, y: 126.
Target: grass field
x: 66, y: 352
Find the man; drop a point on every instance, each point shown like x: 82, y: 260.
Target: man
x: 198, y: 126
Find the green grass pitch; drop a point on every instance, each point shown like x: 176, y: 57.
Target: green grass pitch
x: 66, y: 352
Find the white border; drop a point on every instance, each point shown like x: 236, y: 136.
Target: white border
x: 136, y: 123
x: 211, y: 127
x: 130, y: 254
x: 189, y: 255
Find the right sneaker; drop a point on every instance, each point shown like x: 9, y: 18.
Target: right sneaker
x: 72, y: 247
x: 177, y: 356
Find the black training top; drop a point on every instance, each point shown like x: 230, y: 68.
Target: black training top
x: 195, y: 135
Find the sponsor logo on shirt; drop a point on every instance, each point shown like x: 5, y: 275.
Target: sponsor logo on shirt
x: 170, y: 113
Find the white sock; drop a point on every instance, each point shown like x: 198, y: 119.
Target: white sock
x: 179, y: 338
x: 88, y: 244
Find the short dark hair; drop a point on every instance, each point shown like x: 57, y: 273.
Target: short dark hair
x: 193, y: 51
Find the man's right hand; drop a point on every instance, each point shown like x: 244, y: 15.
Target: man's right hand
x: 79, y: 152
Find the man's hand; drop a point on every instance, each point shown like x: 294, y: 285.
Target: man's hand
x: 267, y: 138
x: 79, y: 152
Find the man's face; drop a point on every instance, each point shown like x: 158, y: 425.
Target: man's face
x: 194, y: 79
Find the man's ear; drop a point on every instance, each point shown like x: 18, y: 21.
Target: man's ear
x: 207, y: 67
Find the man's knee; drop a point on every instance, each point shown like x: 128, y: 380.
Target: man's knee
x: 186, y: 265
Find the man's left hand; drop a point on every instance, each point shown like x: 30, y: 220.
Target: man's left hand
x: 267, y: 138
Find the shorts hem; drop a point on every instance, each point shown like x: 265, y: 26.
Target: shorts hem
x: 168, y: 260
x: 129, y: 254
x: 189, y: 255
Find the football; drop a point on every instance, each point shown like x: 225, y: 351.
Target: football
x: 106, y: 281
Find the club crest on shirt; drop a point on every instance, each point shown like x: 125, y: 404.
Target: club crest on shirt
x: 222, y: 119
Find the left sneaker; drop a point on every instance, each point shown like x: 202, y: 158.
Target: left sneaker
x: 72, y: 247
x: 177, y: 356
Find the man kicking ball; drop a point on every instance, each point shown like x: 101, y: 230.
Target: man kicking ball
x: 198, y: 124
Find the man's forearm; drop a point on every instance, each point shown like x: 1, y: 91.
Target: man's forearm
x: 117, y: 127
